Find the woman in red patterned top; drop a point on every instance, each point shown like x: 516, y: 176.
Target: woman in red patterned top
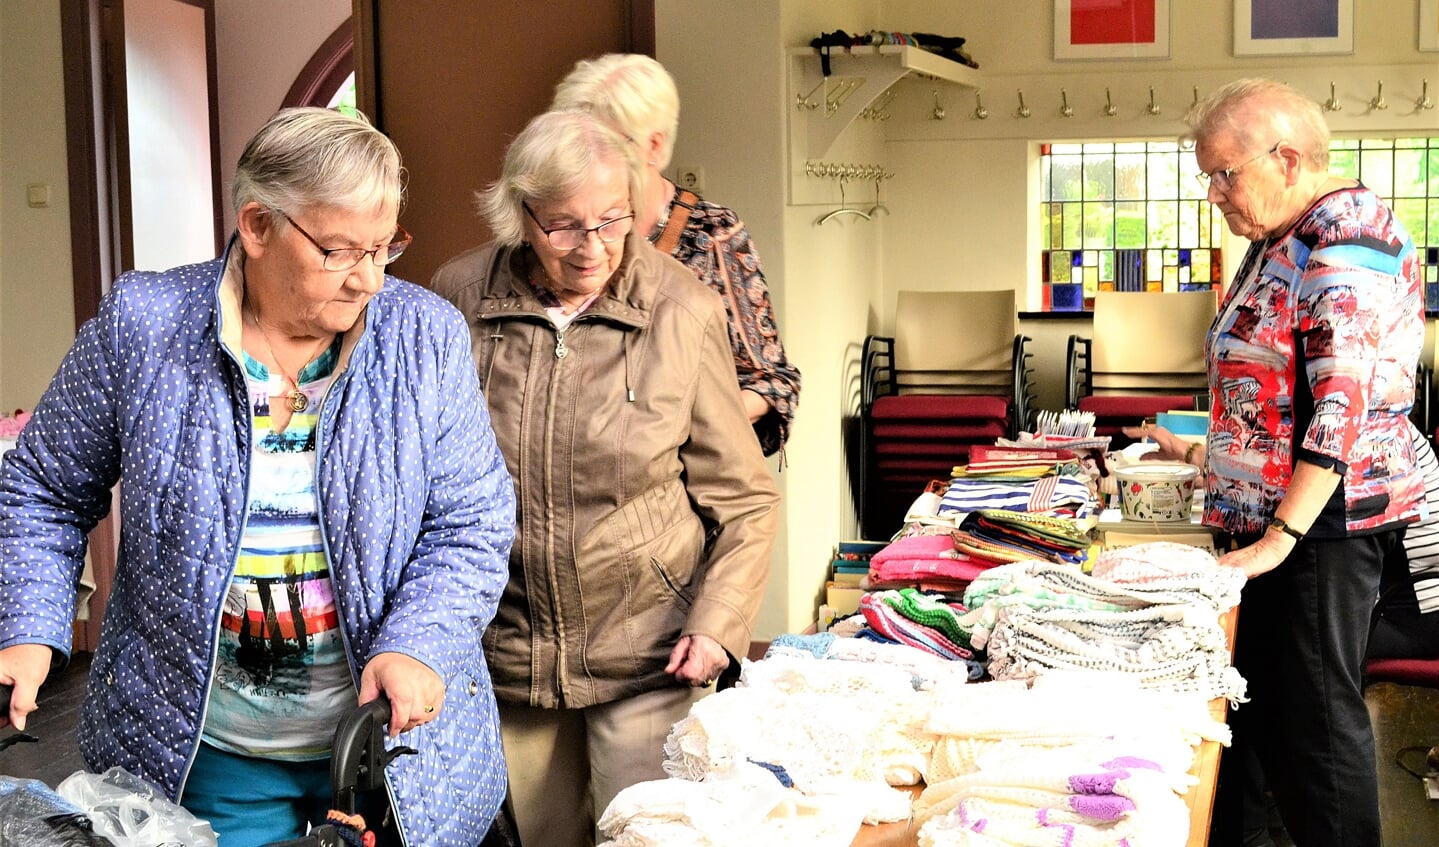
x: 1310, y: 465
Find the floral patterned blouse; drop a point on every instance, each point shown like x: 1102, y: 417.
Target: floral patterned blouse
x: 716, y: 245
x: 1312, y: 356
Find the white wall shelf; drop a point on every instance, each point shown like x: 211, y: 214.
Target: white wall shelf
x: 822, y: 107
x: 858, y: 76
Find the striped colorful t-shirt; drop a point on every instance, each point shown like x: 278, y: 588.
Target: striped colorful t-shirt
x: 282, y: 682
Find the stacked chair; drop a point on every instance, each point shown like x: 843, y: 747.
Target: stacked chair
x: 954, y: 374
x: 1146, y: 357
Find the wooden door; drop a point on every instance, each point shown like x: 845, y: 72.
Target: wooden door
x: 452, y: 81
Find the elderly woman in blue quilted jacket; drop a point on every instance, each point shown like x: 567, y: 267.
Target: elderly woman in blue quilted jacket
x: 313, y: 511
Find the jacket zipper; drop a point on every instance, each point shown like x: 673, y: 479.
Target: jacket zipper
x: 229, y: 578
x: 561, y: 351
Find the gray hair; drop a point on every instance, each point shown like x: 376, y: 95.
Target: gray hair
x: 1261, y: 112
x: 631, y: 92
x: 308, y: 156
x: 552, y: 158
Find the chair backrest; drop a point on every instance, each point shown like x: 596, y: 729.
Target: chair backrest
x: 1150, y: 342
x: 955, y: 341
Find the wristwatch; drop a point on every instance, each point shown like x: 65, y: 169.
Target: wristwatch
x: 1279, y: 524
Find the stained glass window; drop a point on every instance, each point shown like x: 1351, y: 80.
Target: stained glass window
x: 1130, y: 217
x: 1124, y: 217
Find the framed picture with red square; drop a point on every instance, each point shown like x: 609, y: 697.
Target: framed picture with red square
x: 1111, y: 29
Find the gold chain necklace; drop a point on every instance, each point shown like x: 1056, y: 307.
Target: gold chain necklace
x: 296, y: 400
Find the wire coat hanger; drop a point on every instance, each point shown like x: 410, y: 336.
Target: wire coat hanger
x: 842, y: 210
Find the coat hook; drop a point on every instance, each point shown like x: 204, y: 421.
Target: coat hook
x: 802, y: 101
x: 1109, y: 110
x: 1424, y: 102
x: 1378, y: 101
x: 1196, y: 98
x: 938, y: 113
x: 1023, y: 111
x: 1332, y: 104
x: 980, y: 113
x: 1065, y: 109
x: 1153, y: 107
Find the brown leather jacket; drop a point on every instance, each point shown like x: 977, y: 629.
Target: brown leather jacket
x: 624, y: 451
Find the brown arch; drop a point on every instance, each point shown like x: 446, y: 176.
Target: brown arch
x: 326, y: 71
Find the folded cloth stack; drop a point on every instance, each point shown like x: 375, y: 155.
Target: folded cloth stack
x: 998, y: 535
x: 1064, y: 495
x: 1159, y: 624
x: 925, y: 668
x: 919, y: 620
x: 742, y: 804
x: 928, y: 561
x: 835, y: 728
x: 1074, y: 758
x: 1061, y: 796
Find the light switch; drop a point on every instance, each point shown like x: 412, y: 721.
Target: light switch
x: 37, y: 195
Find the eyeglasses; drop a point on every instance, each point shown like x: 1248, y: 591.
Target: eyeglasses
x: 1224, y: 179
x: 568, y: 238
x: 344, y: 258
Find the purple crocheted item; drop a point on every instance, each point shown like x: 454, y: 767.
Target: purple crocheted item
x: 1102, y: 807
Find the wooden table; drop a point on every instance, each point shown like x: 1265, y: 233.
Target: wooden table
x: 1200, y: 797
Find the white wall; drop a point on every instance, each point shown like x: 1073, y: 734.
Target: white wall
x: 36, y: 309
x: 261, y: 46
x: 963, y: 194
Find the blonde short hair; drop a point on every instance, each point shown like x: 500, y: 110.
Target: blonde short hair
x: 308, y: 156
x: 1261, y: 112
x: 631, y: 92
x: 552, y: 158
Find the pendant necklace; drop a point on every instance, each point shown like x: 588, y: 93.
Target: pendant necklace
x: 295, y: 400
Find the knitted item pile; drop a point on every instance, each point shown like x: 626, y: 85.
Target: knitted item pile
x: 918, y: 620
x: 850, y: 728
x: 1077, y: 759
x: 1157, y: 621
x: 744, y: 804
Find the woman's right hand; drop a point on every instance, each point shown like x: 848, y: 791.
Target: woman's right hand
x: 23, y: 667
x: 1171, y: 447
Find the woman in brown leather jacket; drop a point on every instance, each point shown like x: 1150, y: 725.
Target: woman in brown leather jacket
x: 646, y: 512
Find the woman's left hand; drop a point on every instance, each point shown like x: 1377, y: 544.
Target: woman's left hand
x: 1260, y: 557
x: 697, y: 660
x: 416, y: 692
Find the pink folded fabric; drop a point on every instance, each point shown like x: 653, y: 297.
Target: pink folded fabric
x: 916, y: 557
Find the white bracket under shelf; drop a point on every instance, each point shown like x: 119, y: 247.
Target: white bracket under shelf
x: 858, y: 75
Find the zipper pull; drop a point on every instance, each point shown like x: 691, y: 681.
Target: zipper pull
x: 561, y: 350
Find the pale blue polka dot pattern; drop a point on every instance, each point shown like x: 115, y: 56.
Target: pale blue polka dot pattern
x: 416, y: 504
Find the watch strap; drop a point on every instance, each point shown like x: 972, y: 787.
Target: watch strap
x: 1279, y: 524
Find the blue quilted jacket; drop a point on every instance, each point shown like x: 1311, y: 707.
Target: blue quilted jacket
x: 417, y: 512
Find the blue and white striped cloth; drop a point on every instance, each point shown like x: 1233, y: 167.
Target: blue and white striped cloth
x: 1067, y: 494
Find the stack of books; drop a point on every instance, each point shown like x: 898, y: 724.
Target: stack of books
x: 848, y: 567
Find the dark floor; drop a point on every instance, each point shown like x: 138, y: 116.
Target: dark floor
x: 1404, y: 716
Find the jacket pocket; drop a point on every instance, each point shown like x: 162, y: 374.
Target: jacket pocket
x: 680, y: 589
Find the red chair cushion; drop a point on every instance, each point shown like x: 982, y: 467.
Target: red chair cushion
x: 1423, y: 672
x: 939, y: 406
x: 941, y: 431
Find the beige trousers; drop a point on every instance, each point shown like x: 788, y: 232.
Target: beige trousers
x: 566, y: 765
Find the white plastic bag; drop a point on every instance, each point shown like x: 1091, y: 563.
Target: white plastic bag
x: 131, y: 813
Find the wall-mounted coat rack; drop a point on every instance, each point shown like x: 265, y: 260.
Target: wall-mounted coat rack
x: 826, y: 105
x: 846, y: 172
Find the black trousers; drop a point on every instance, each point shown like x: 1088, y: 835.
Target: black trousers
x: 1300, y: 644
